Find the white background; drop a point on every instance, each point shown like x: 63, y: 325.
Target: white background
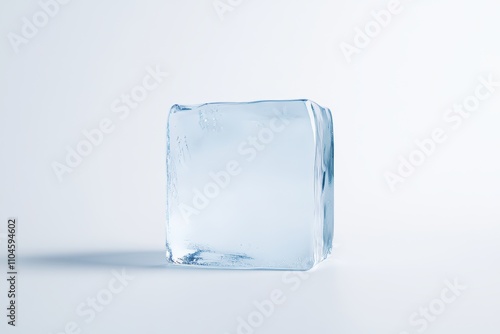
x: 394, y: 250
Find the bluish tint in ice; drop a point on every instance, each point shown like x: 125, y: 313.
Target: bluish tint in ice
x: 250, y: 185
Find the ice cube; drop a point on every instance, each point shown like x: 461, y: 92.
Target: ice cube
x: 250, y: 185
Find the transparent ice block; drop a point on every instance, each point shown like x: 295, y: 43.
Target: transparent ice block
x: 250, y: 185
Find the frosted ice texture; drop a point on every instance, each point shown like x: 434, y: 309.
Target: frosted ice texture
x: 250, y: 185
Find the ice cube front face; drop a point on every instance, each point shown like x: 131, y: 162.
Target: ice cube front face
x: 250, y: 185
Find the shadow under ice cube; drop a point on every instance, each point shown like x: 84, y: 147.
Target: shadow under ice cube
x: 250, y: 185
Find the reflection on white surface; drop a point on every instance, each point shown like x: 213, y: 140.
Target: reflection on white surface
x: 384, y: 290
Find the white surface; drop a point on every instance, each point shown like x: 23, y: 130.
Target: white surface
x: 394, y: 249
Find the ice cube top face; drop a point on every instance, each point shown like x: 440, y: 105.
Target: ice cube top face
x: 250, y: 185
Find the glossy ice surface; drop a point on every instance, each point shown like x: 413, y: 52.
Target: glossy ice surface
x: 250, y: 185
